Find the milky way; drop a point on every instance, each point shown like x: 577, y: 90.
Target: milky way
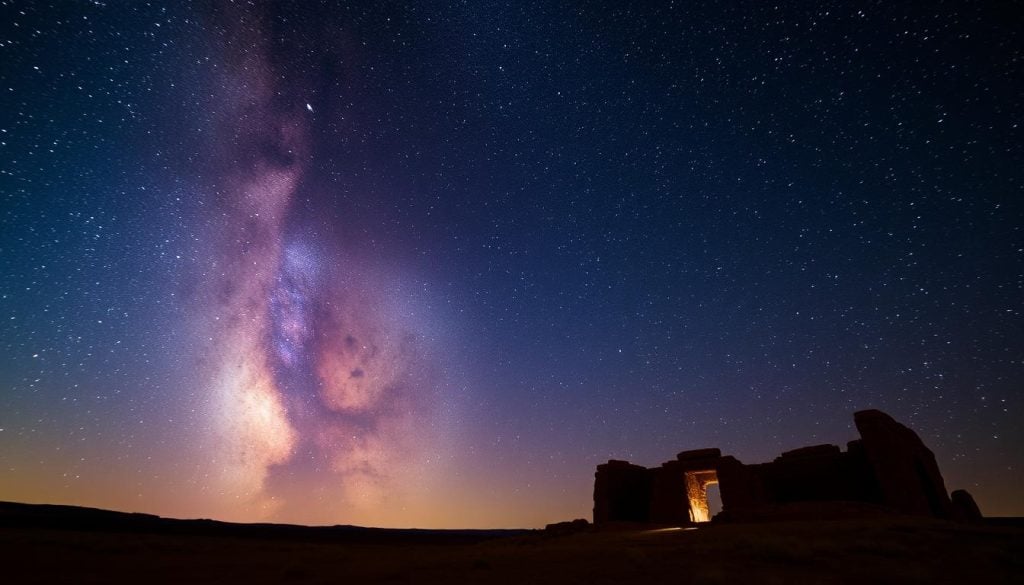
x: 314, y: 374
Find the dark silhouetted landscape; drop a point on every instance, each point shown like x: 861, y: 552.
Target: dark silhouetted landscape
x: 48, y: 544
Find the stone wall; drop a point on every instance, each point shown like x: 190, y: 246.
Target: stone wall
x: 622, y: 493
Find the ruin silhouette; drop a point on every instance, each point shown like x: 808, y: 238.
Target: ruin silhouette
x: 887, y: 470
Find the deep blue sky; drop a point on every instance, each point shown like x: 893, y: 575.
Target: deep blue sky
x: 581, y: 230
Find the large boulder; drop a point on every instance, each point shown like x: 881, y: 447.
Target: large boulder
x: 964, y: 508
x: 907, y: 476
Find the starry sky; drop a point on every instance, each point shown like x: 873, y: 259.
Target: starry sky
x: 428, y: 263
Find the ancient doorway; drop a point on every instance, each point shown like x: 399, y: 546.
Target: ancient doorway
x: 697, y: 483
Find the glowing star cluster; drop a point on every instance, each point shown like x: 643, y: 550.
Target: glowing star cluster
x: 290, y: 304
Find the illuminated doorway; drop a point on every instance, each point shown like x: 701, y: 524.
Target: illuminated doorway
x: 697, y: 483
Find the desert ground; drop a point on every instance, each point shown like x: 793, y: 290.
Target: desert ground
x: 57, y: 546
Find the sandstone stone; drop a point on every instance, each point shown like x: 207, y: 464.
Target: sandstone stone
x: 622, y: 492
x: 812, y: 451
x: 964, y: 508
x: 905, y: 470
x: 712, y: 453
x: 888, y: 468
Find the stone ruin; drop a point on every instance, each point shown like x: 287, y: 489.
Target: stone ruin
x: 888, y: 469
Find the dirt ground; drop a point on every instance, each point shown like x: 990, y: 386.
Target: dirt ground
x: 900, y: 550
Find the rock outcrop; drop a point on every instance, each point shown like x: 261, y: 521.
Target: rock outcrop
x: 964, y: 509
x: 888, y: 468
x: 904, y: 469
x: 622, y: 493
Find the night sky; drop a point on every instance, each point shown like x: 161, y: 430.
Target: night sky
x: 428, y: 264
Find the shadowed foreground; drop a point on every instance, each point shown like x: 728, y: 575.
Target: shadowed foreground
x: 43, y: 544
